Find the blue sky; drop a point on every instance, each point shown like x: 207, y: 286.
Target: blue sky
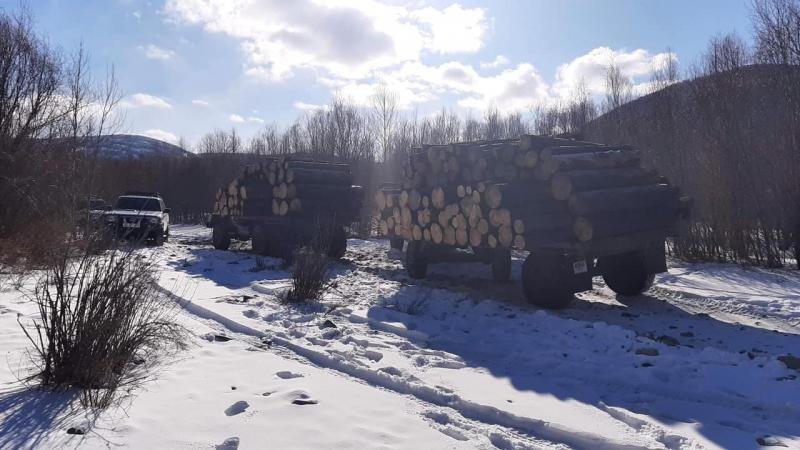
x: 189, y: 66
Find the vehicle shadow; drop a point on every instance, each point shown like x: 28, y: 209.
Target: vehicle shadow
x: 514, y: 340
x: 31, y: 415
x: 233, y: 269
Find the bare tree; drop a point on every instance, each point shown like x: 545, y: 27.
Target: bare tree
x: 384, y: 115
x: 619, y: 88
x: 725, y: 53
x: 664, y: 72
x: 776, y: 26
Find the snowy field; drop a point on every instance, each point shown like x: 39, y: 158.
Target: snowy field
x: 454, y: 361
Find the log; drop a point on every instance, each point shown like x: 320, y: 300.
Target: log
x: 462, y: 236
x: 588, y: 228
x: 623, y: 199
x: 437, y: 235
x: 565, y: 183
x: 316, y: 176
x: 505, y: 236
x: 600, y: 160
x: 475, y: 237
x: 538, y: 143
x: 519, y: 242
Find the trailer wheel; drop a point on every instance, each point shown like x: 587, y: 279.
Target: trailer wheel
x: 501, y: 265
x: 416, y: 261
x: 546, y: 280
x: 220, y: 238
x: 396, y: 243
x: 338, y: 245
x: 261, y: 241
x: 625, y: 273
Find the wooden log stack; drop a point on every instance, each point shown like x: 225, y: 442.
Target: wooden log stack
x: 291, y: 187
x: 524, y: 193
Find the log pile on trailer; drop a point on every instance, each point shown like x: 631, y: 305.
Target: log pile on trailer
x: 525, y: 193
x: 293, y: 188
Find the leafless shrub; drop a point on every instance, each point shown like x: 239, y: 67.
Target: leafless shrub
x: 99, y: 317
x: 309, y: 275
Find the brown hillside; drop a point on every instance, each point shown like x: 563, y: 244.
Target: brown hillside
x: 730, y: 140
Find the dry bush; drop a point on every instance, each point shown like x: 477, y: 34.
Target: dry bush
x: 100, y: 316
x: 309, y: 276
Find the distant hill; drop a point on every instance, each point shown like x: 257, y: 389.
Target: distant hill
x: 128, y: 146
x: 731, y: 141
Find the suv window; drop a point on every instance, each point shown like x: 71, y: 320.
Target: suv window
x: 138, y: 203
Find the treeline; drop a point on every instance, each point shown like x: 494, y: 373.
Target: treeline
x: 729, y: 135
x: 51, y: 116
x: 340, y: 132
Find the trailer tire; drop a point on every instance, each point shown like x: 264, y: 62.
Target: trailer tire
x: 220, y: 238
x: 338, y: 244
x: 546, y: 280
x: 396, y: 243
x: 501, y: 265
x: 625, y: 273
x: 261, y: 241
x: 416, y: 261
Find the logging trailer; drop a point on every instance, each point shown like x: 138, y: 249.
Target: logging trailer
x: 282, y: 204
x: 581, y: 209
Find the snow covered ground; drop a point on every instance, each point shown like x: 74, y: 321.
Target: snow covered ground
x: 453, y: 361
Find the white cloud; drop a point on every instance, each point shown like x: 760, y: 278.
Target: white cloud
x: 137, y: 14
x: 499, y: 61
x: 302, y: 106
x: 347, y: 39
x: 235, y: 118
x: 141, y: 100
x: 161, y: 135
x: 512, y: 89
x: 254, y: 119
x: 591, y: 68
x: 155, y: 52
x: 453, y: 29
x: 201, y: 103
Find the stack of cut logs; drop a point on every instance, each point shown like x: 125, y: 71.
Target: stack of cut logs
x: 524, y: 193
x: 291, y: 187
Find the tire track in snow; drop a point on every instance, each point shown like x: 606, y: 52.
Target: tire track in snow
x: 484, y: 414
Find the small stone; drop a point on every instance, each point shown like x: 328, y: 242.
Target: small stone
x: 791, y: 362
x: 647, y: 364
x: 221, y: 338
x: 327, y: 324
x: 330, y: 333
x: 769, y: 441
x: 687, y: 334
x: 233, y: 388
x: 668, y: 340
x: 646, y: 351
x: 629, y: 315
x: 75, y: 430
x: 231, y: 443
x: 237, y: 408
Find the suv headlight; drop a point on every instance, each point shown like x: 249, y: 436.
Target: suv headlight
x: 154, y: 220
x: 111, y: 218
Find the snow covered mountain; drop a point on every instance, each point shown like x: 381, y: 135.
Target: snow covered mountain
x: 127, y: 146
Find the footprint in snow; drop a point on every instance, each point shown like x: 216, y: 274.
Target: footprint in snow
x: 302, y: 398
x: 237, y: 408
x: 231, y: 443
x: 287, y: 374
x: 373, y: 355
